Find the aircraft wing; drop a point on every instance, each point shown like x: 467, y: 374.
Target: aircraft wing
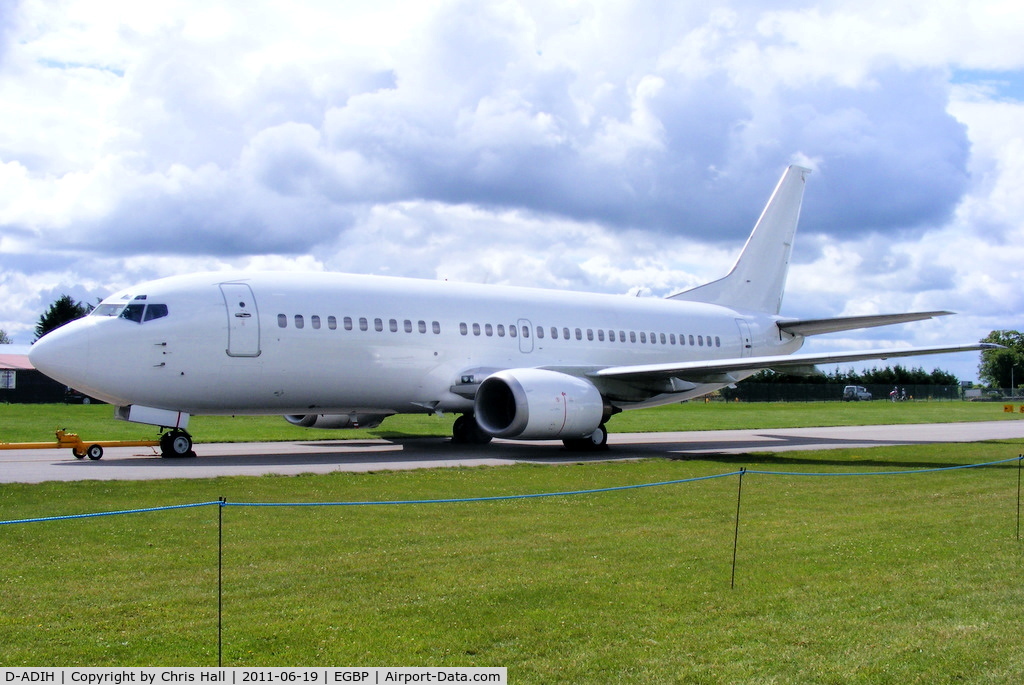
x: 849, y: 323
x: 721, y: 370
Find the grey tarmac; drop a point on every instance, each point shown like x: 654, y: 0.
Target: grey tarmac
x: 325, y: 456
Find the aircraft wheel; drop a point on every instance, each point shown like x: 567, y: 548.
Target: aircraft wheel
x: 94, y: 452
x: 459, y: 430
x: 595, y: 442
x: 466, y: 431
x: 176, y: 443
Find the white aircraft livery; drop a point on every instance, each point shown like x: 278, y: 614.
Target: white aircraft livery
x: 331, y: 350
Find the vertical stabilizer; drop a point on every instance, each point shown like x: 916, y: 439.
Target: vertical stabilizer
x: 757, y: 280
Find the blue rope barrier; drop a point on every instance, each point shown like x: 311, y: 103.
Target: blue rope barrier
x: 479, y: 499
x: 496, y: 498
x: 108, y: 513
x: 883, y: 473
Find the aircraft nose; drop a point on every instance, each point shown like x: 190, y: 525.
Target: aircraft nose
x: 63, y: 354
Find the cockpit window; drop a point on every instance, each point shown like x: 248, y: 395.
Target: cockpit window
x: 155, y: 311
x: 108, y: 310
x: 133, y: 312
x: 140, y: 313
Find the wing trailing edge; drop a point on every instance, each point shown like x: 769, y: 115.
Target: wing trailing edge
x: 721, y: 370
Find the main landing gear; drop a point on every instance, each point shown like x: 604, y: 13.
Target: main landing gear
x: 466, y: 431
x: 595, y: 442
x: 176, y: 443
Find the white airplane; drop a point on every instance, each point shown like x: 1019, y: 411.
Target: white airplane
x: 344, y: 351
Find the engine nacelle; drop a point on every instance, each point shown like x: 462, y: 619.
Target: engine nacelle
x: 335, y: 421
x: 536, y: 404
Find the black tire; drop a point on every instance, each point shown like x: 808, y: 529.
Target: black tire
x: 78, y: 455
x: 460, y: 431
x: 94, y: 452
x: 595, y: 442
x: 176, y: 444
x: 466, y: 431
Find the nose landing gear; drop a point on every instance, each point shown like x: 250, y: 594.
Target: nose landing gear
x: 175, y: 444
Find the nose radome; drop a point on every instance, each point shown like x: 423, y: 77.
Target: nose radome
x: 63, y: 354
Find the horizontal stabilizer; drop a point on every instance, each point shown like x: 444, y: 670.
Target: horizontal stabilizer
x: 849, y: 323
x: 708, y: 371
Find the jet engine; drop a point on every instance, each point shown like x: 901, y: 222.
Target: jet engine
x: 335, y: 421
x: 536, y: 404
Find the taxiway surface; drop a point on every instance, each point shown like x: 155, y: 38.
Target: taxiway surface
x: 325, y: 456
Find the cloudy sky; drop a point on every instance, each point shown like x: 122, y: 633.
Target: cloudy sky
x: 585, y: 145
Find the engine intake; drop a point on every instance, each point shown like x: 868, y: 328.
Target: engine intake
x: 536, y: 404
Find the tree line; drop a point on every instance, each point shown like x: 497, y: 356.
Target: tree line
x: 889, y: 375
x: 63, y: 310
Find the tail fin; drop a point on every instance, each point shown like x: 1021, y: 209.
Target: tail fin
x: 758, y: 279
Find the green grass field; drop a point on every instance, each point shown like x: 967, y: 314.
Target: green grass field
x: 881, y: 579
x: 30, y: 423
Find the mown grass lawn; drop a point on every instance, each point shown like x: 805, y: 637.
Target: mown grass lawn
x: 28, y: 423
x: 909, y: 578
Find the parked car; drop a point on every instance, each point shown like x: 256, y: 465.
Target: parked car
x: 855, y: 393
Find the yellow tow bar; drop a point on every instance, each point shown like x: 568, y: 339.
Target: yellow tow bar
x: 79, y: 448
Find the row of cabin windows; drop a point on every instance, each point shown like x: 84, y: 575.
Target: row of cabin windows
x: 600, y: 335
x: 350, y: 324
x: 499, y: 330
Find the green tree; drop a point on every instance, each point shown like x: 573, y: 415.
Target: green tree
x: 997, y: 367
x: 4, y: 338
x: 60, y: 312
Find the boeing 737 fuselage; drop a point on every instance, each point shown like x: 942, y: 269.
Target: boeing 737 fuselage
x: 342, y: 351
